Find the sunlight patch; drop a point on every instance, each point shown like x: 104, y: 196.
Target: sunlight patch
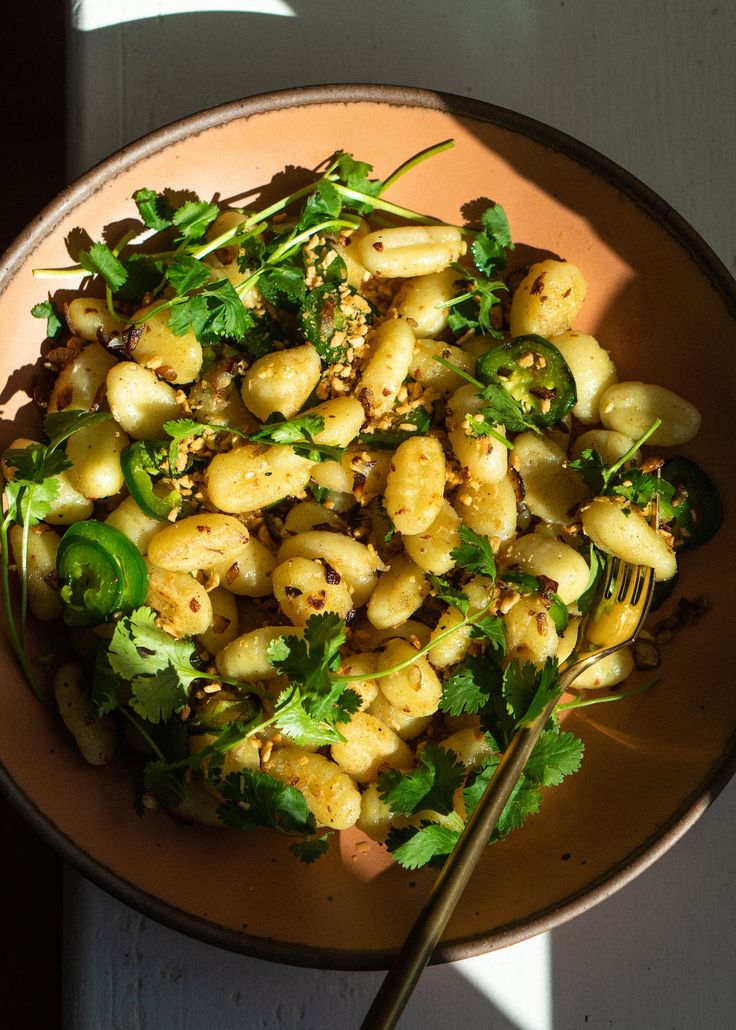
x: 517, y: 980
x: 88, y: 15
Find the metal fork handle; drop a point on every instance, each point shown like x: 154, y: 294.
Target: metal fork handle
x: 424, y: 935
x: 459, y: 866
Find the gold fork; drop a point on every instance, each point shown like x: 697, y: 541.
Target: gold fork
x: 616, y: 615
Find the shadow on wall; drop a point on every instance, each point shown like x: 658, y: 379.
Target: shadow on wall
x: 125, y: 80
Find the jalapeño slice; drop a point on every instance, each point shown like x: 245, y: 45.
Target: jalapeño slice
x: 536, y: 375
x: 100, y: 572
x: 135, y: 462
x: 696, y: 503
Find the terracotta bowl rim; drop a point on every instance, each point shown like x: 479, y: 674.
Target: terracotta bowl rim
x: 646, y: 200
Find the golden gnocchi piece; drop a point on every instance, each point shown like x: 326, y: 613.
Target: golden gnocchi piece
x: 331, y: 794
x: 415, y: 484
x: 198, y: 542
x: 548, y: 299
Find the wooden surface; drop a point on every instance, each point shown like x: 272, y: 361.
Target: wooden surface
x: 653, y: 87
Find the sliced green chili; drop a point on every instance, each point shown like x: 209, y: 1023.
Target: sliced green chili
x: 100, y: 572
x: 135, y: 462
x: 536, y: 375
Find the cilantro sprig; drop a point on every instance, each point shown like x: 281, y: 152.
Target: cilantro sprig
x: 317, y: 699
x: 30, y: 492
x: 297, y: 432
x: 635, y: 486
x: 217, y: 311
x: 159, y: 668
x: 499, y: 408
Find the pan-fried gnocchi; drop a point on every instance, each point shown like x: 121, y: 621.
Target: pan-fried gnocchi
x: 340, y: 508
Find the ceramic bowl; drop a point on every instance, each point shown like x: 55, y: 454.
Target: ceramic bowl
x: 663, y: 305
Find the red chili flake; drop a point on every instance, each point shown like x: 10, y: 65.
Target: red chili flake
x: 365, y: 396
x: 331, y: 575
x: 292, y: 591
x: 538, y: 284
x: 132, y: 337
x: 378, y: 246
x: 204, y: 529
x: 194, y: 604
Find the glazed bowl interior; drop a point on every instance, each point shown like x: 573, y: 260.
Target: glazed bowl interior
x: 658, y: 300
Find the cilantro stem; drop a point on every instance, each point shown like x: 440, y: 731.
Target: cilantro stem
x: 140, y: 728
x: 459, y: 371
x: 466, y: 375
x: 288, y: 246
x: 407, y: 166
x: 238, y: 684
x: 24, y: 571
x: 613, y: 469
x: 385, y: 205
x: 586, y: 702
x: 469, y: 620
x: 15, y: 640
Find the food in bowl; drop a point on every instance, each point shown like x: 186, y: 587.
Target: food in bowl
x: 338, y: 489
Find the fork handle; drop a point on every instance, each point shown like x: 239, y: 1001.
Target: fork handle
x: 422, y: 939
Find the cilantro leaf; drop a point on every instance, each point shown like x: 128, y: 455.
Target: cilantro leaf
x: 528, y: 690
x: 449, y: 594
x: 295, y: 722
x: 30, y: 502
x: 144, y: 275
x: 555, y: 756
x: 185, y: 273
x: 310, y: 849
x: 166, y: 784
x: 525, y: 798
x: 472, y: 309
x: 157, y: 665
x: 354, y: 174
x: 502, y: 408
x: 253, y: 799
x: 417, y: 423
x: 474, y: 554
x: 154, y: 209
x: 193, y: 218
x: 325, y: 202
x: 54, y: 324
x: 413, y: 849
x: 490, y: 245
x: 431, y: 785
x: 489, y: 628
x: 310, y: 663
x: 158, y: 695
x: 60, y: 425
x: 592, y: 468
x: 215, y: 313
x: 299, y: 432
x: 283, y: 286
x: 100, y: 260
x: 470, y: 686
